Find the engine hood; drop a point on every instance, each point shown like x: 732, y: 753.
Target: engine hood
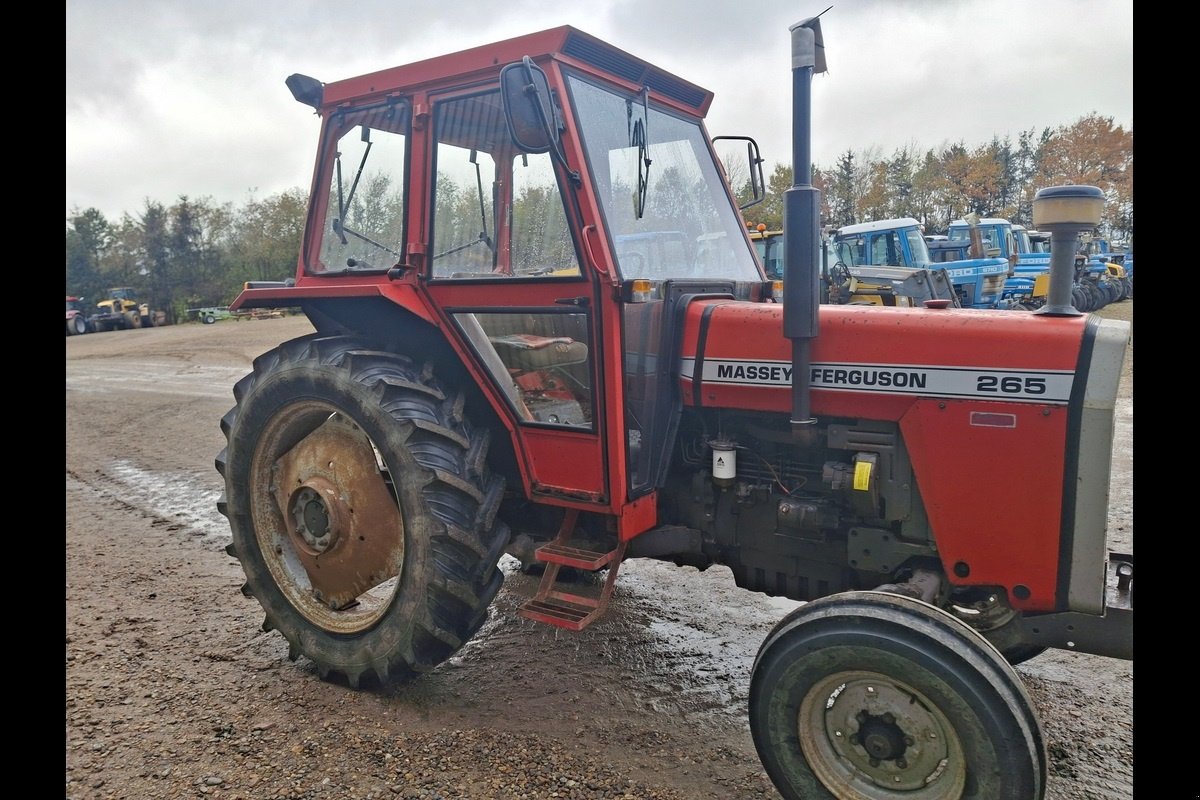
x: 874, y: 362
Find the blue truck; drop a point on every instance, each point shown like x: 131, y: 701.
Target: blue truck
x: 1101, y: 253
x: 845, y: 280
x: 1097, y: 283
x: 978, y: 276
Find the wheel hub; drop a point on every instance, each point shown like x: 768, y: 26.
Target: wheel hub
x: 873, y: 732
x: 317, y: 514
x: 881, y: 737
x: 340, y: 521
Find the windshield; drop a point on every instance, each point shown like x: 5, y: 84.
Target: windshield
x: 364, y: 177
x: 917, y: 246
x: 688, y: 226
x: 1023, y: 243
x: 990, y: 235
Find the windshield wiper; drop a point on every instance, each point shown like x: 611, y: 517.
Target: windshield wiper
x: 341, y: 230
x: 639, y: 136
x: 344, y: 202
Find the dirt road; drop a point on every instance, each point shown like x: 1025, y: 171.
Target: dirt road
x: 174, y: 691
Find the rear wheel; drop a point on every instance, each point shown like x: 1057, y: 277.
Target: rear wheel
x: 362, y: 508
x: 867, y: 695
x: 77, y: 326
x: 209, y: 319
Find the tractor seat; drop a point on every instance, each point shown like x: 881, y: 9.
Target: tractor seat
x: 526, y: 352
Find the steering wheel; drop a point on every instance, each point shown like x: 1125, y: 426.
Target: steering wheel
x: 839, y: 282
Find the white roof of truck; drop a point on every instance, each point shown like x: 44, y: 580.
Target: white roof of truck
x: 962, y: 223
x: 878, y: 225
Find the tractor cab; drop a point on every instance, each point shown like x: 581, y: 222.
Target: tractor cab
x: 546, y: 202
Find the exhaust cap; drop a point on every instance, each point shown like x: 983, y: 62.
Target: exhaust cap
x: 1074, y: 206
x: 1065, y: 211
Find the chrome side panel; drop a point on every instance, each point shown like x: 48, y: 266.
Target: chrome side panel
x: 1089, y: 555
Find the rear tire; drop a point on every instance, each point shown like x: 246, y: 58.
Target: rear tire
x: 362, y: 508
x: 867, y: 695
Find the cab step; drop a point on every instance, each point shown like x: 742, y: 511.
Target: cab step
x: 570, y: 610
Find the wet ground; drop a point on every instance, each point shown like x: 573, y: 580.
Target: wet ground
x: 174, y: 691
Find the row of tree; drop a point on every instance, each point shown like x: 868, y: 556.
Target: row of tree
x: 995, y: 179
x: 191, y: 254
x: 199, y: 253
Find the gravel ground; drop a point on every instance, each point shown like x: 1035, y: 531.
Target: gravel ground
x: 173, y: 691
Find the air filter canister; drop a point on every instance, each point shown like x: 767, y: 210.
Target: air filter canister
x: 724, y: 463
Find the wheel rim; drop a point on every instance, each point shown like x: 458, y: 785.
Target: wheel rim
x: 325, y: 517
x: 863, y: 732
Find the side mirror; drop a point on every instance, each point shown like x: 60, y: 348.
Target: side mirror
x: 755, y: 161
x: 528, y: 106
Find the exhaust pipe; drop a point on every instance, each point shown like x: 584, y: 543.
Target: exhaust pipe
x: 801, y: 223
x: 1065, y: 211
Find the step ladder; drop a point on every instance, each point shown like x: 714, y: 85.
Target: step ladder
x: 563, y: 609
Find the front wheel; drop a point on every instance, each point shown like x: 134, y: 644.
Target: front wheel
x: 867, y: 695
x: 362, y: 508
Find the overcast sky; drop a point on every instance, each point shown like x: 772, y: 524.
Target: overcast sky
x: 187, y: 97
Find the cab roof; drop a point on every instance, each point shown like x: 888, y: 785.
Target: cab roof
x: 962, y: 223
x: 878, y: 225
x: 564, y: 43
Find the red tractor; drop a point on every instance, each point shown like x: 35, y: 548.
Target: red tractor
x: 542, y: 329
x: 77, y: 322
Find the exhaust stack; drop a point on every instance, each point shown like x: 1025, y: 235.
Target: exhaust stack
x: 1065, y: 211
x: 801, y: 222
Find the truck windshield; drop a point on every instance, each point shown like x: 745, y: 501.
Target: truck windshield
x: 689, y: 226
x: 918, y: 248
x: 1022, y: 238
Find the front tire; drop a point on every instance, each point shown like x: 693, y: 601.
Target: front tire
x: 867, y: 695
x: 362, y: 508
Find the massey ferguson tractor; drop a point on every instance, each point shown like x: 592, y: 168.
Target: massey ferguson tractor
x: 542, y: 329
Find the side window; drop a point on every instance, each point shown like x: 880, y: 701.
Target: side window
x: 540, y: 360
x: 856, y: 248
x: 364, y: 213
x: 884, y: 250
x: 541, y: 238
x: 496, y: 213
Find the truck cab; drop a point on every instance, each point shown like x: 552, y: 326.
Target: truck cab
x: 978, y: 282
x: 846, y: 280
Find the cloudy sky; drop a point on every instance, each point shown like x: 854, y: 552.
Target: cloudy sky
x: 187, y: 97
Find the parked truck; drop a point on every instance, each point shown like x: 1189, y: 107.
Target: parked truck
x: 499, y: 371
x: 123, y: 309
x: 977, y: 276
x: 843, y: 281
x: 1117, y: 265
x: 77, y: 323
x: 1094, y: 286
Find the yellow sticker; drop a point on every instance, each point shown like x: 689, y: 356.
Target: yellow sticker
x: 862, y: 475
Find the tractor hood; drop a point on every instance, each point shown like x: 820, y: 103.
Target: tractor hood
x: 875, y: 363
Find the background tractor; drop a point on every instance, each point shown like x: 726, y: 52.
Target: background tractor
x: 122, y: 310
x: 77, y: 322
x: 845, y: 280
x: 541, y: 328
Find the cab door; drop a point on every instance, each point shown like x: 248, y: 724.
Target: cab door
x: 505, y: 270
